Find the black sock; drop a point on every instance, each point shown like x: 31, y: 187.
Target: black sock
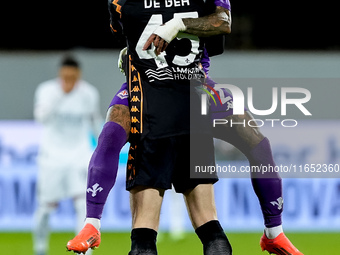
x: 213, y: 238
x: 143, y: 241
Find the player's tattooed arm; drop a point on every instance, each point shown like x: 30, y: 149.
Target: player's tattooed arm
x: 213, y: 24
x: 121, y: 115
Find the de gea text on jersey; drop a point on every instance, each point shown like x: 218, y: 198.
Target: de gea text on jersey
x: 167, y: 3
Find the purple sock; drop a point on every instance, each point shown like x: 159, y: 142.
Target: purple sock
x: 268, y: 187
x: 103, y: 168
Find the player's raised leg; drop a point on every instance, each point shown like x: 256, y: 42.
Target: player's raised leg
x: 251, y: 142
x: 103, y: 165
x: 102, y: 170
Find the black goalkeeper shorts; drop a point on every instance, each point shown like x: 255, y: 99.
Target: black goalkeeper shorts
x: 161, y: 163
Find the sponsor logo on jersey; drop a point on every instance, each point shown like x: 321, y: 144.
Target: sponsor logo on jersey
x: 161, y: 74
x: 187, y: 73
x: 179, y: 73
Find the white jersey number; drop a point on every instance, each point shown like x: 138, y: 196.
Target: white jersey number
x: 157, y: 20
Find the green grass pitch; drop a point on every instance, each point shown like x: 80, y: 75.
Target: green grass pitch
x: 118, y: 243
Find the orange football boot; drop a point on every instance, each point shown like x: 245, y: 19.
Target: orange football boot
x: 88, y: 237
x: 279, y: 245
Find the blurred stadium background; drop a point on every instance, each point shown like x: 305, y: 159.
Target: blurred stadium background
x: 272, y: 45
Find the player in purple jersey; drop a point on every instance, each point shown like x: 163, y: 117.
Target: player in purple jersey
x: 139, y: 23
x: 256, y: 147
x: 267, y: 189
x: 253, y: 144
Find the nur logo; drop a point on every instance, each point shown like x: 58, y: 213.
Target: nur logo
x: 289, y: 96
x: 239, y: 99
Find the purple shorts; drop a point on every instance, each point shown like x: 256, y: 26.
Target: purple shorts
x: 218, y: 110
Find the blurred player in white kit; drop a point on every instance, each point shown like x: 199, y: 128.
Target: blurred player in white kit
x: 68, y: 109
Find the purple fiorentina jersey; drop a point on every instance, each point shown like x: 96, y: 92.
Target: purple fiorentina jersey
x: 223, y: 3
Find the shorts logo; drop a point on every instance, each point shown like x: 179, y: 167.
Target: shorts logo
x: 229, y: 102
x: 134, y: 109
x: 94, y: 190
x: 123, y: 94
x: 134, y: 120
x: 134, y: 130
x: 131, y: 171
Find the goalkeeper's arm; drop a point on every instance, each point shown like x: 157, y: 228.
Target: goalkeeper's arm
x: 214, y: 24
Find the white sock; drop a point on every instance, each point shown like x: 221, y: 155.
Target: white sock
x: 94, y: 221
x: 273, y: 232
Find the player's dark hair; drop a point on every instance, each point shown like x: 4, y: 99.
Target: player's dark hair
x: 70, y: 61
